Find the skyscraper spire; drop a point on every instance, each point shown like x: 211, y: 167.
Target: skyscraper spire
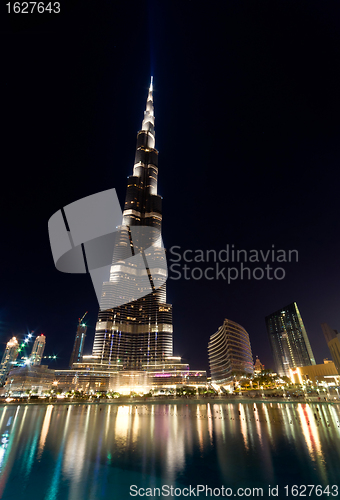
x: 148, y: 124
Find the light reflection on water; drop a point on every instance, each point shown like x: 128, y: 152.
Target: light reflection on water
x: 90, y: 452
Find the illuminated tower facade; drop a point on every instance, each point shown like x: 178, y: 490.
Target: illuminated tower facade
x: 8, y: 358
x: 138, y: 334
x: 38, y: 350
x: 229, y: 353
x: 289, y: 340
x: 79, y: 341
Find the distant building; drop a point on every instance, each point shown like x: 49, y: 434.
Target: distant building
x: 9, y: 357
x: 328, y: 332
x: 289, y: 340
x: 33, y: 378
x: 333, y: 341
x: 325, y: 372
x: 38, y: 350
x: 258, y: 367
x: 78, y: 347
x: 229, y: 353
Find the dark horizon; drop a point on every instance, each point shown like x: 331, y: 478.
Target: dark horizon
x: 247, y: 128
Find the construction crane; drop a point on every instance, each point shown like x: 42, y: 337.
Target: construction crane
x: 81, y: 319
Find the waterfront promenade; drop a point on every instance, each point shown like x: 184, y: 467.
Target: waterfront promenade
x: 128, y: 400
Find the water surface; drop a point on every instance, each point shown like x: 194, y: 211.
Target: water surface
x: 97, y: 451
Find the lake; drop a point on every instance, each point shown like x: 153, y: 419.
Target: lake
x: 112, y: 451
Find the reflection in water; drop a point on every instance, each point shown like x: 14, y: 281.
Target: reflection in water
x: 258, y: 425
x: 90, y: 451
x: 312, y: 439
x: 200, y: 428
x: 122, y: 421
x: 268, y: 422
x: 52, y: 492
x: 44, y: 429
x: 244, y: 426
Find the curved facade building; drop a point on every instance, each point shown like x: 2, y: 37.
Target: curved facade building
x: 229, y: 353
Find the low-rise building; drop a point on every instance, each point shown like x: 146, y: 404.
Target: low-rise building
x: 315, y: 374
x: 333, y: 341
x: 104, y: 377
x: 37, y: 379
x: 258, y: 366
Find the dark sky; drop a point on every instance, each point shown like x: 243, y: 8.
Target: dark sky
x: 247, y: 125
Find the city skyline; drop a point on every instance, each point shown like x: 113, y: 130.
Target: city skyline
x: 205, y: 254
x: 239, y: 126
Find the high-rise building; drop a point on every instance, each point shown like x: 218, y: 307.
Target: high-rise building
x: 8, y: 358
x: 139, y: 333
x: 229, y: 353
x: 333, y: 341
x: 38, y: 350
x: 133, y: 346
x: 79, y: 341
x: 289, y: 340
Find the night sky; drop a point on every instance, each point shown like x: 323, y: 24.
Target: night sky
x: 247, y: 126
